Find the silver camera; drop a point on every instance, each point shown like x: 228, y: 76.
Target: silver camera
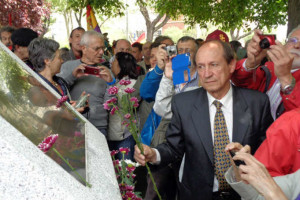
x: 171, y: 50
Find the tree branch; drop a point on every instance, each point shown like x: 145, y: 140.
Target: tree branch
x: 144, y: 12
x: 162, y: 23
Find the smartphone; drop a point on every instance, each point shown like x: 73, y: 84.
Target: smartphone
x: 266, y: 41
x: 236, y: 162
x: 91, y: 70
x: 81, y: 101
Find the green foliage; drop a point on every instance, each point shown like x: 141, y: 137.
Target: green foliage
x: 110, y: 8
x: 227, y: 14
x: 175, y: 33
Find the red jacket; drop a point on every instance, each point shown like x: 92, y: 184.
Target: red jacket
x: 243, y: 78
x: 280, y: 152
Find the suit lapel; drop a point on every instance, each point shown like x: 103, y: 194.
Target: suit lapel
x: 241, y: 116
x: 201, y: 121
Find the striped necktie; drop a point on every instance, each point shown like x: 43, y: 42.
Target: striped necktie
x: 221, y: 139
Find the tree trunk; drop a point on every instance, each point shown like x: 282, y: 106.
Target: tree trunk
x: 151, y: 26
x: 65, y: 14
x: 293, y: 14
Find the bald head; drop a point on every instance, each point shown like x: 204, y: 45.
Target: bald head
x: 123, y: 45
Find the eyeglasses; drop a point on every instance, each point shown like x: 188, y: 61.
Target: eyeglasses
x: 292, y: 40
x: 182, y: 50
x: 97, y: 49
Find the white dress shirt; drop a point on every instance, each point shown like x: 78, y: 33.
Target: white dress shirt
x: 227, y: 109
x: 228, y: 115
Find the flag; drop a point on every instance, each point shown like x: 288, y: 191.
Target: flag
x: 91, y: 20
x: 142, y: 38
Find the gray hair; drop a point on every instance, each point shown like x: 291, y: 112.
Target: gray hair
x: 188, y: 38
x: 85, y: 39
x: 122, y: 40
x: 40, y: 49
x: 295, y: 29
x: 7, y: 29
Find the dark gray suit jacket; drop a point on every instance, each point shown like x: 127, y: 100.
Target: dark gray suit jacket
x: 189, y: 132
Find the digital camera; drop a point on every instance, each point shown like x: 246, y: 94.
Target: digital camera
x: 171, y: 50
x: 266, y: 41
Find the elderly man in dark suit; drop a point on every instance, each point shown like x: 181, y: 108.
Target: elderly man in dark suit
x: 205, y: 120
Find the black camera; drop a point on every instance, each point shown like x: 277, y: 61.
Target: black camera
x: 266, y: 41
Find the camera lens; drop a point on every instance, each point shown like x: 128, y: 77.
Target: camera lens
x: 264, y: 43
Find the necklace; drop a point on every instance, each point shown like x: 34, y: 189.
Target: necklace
x: 54, y: 83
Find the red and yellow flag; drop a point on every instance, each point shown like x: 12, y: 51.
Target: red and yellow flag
x: 91, y: 20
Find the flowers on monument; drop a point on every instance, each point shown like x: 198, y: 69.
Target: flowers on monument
x: 113, y: 90
x: 77, y: 134
x: 125, y: 175
x: 61, y: 101
x: 129, y: 90
x: 48, y: 143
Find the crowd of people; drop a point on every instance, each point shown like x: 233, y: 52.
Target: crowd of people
x: 232, y: 99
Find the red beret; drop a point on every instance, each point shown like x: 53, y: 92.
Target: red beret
x: 218, y: 35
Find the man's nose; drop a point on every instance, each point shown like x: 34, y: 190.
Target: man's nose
x: 207, y: 72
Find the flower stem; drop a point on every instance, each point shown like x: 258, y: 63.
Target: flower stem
x: 67, y: 162
x: 153, y: 182
x: 148, y: 169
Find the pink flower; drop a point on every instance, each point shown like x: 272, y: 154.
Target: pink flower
x: 124, y: 122
x: 112, y: 100
x: 114, y: 152
x: 134, y: 99
x: 116, y: 162
x: 130, y: 195
x: 130, y: 168
x: 127, y: 116
x: 77, y: 134
x: 134, y: 121
x: 129, y: 90
x: 127, y: 125
x: 124, y: 150
x: 106, y: 106
x: 113, y: 90
x: 133, y: 176
x: 60, y: 101
x: 124, y: 82
x: 48, y: 142
x: 129, y: 187
x: 113, y: 110
x: 135, y: 105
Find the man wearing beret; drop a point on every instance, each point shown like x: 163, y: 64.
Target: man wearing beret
x: 21, y: 38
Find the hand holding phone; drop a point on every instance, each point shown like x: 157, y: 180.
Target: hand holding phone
x: 91, y: 70
x: 236, y: 162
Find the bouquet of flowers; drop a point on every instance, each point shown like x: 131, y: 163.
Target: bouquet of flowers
x: 124, y: 171
x: 128, y: 114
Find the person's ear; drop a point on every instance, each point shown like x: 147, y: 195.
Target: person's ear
x: 232, y: 65
x: 83, y: 48
x: 16, y: 47
x: 47, y: 61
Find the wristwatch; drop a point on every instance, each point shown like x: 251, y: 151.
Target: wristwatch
x: 288, y: 88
